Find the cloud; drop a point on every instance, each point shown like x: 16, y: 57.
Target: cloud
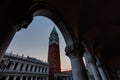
x: 64, y: 69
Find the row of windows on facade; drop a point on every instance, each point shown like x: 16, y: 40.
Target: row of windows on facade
x: 24, y: 78
x: 23, y: 67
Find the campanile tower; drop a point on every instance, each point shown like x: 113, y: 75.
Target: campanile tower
x: 54, y: 54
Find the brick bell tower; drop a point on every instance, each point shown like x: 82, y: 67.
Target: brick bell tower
x: 54, y: 54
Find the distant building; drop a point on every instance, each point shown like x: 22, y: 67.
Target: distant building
x: 65, y: 75
x: 54, y: 59
x: 15, y: 67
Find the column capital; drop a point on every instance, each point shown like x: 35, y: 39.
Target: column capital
x: 73, y: 52
x: 98, y: 62
x: 92, y: 59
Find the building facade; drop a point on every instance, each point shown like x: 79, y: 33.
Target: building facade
x: 65, y: 75
x: 15, y: 67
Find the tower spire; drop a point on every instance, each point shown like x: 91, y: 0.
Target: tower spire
x: 54, y: 37
x: 54, y: 30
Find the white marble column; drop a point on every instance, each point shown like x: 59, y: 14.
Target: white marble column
x: 13, y: 65
x: 7, y: 78
x: 47, y: 77
x: 29, y: 67
x: 78, y: 68
x: 47, y: 70
x: 91, y: 63
x: 67, y: 78
x: 24, y: 67
x: 31, y: 78
x: 43, y: 77
x: 33, y: 68
x: 41, y: 69
x: 100, y: 69
x: 36, y: 78
x: 14, y: 77
x: 21, y: 77
x: 37, y: 69
x: 94, y: 71
x: 26, y: 77
x: 44, y: 70
x: 18, y: 66
x: 103, y: 76
x: 39, y: 78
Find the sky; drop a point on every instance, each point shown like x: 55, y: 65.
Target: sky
x: 34, y: 40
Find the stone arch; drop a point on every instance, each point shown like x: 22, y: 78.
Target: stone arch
x: 43, y: 9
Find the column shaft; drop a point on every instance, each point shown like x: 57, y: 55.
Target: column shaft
x: 37, y: 69
x: 29, y: 67
x: 31, y: 78
x: 33, y: 69
x: 21, y: 78
x: 18, y: 66
x: 100, y: 69
x: 44, y: 70
x: 46, y: 77
x: 36, y: 78
x: 7, y: 78
x: 14, y: 77
x: 91, y: 62
x: 47, y: 70
x: 95, y: 71
x: 102, y: 73
x: 41, y: 69
x: 24, y: 66
x: 12, y: 67
x: 27, y: 78
x: 78, y: 69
